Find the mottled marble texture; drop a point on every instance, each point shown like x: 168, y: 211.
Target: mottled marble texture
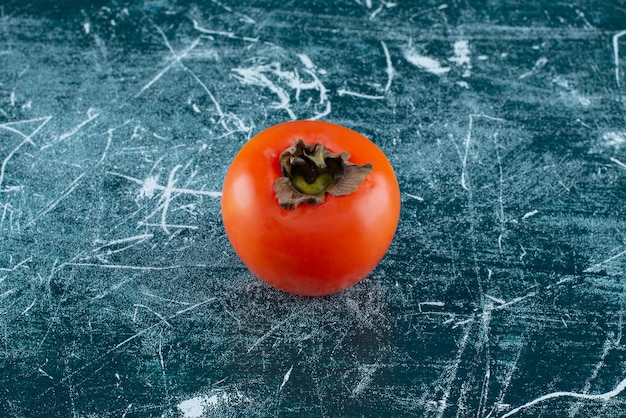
x: 503, y: 293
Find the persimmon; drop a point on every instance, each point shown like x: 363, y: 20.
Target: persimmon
x: 310, y: 207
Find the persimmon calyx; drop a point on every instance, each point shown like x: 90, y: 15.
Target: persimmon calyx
x: 311, y: 171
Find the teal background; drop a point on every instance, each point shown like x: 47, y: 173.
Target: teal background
x: 503, y: 293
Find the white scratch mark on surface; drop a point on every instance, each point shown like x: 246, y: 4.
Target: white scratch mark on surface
x: 29, y: 307
x: 323, y: 113
x: 192, y: 307
x: 345, y: 92
x: 452, y: 372
x: 158, y: 315
x: 166, y: 198
x: 530, y: 214
x: 464, y: 322
x: 176, y: 59
x: 499, y: 405
x: 152, y: 295
x: 218, y: 108
x: 582, y: 17
x: 428, y: 64
x: 306, y: 61
x: 495, y: 299
x: 242, y: 17
x: 136, y: 239
x: 390, y: 75
x: 273, y: 77
x: 240, y: 125
x: 131, y: 338
x: 483, y: 344
x: 390, y: 70
x: 323, y: 92
x: 383, y: 5
x: 596, y: 267
x: 564, y: 280
x: 416, y: 197
x: 7, y: 208
x: 107, y: 146
x: 438, y: 304
x: 375, y: 12
x: 127, y: 410
x: 609, y: 344
x: 226, y: 34
x: 168, y: 226
x: 43, y: 373
x: 113, y: 288
x: 616, y: 54
x: 27, y: 139
x: 17, y: 266
x: 502, y: 216
x: 122, y: 266
x: 268, y: 333
x: 618, y: 162
x: 514, y: 301
x: 468, y: 141
x: 467, y: 146
x: 600, y: 397
x: 91, y: 116
x: 539, y: 64
x: 150, y: 184
x: 127, y: 340
x: 255, y: 76
x: 58, y: 200
x: 286, y: 378
x: 366, y: 371
x: 160, y: 351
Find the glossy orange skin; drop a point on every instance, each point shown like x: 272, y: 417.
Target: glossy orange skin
x: 313, y: 250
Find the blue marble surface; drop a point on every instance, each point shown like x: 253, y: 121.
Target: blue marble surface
x: 503, y: 293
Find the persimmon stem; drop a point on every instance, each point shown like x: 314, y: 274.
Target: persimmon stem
x: 319, y: 185
x: 311, y: 171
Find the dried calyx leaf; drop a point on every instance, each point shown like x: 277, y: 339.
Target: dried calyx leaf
x: 311, y: 171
